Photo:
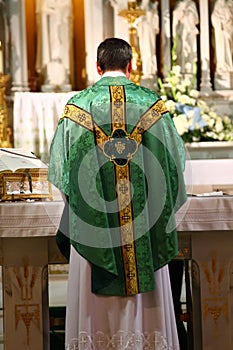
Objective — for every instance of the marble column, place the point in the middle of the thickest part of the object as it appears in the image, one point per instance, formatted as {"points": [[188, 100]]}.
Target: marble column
{"points": [[166, 35], [108, 16], [19, 70], [205, 47], [121, 29], [93, 36]]}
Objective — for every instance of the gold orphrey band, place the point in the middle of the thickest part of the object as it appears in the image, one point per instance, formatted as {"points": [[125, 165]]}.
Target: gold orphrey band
{"points": [[123, 187]]}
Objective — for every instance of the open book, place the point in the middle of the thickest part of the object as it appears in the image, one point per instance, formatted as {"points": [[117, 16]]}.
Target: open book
{"points": [[14, 159], [22, 176]]}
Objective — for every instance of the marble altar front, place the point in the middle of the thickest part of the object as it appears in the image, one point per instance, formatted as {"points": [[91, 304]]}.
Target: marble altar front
{"points": [[27, 246], [205, 228]]}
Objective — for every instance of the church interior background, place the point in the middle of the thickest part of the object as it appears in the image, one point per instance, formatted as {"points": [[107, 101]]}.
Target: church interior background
{"points": [[51, 47], [48, 52]]}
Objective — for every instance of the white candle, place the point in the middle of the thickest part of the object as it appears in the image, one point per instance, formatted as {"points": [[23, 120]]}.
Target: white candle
{"points": [[1, 58]]}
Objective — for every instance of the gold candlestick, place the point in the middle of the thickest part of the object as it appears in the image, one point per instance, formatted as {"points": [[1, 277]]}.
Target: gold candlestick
{"points": [[131, 15], [5, 131]]}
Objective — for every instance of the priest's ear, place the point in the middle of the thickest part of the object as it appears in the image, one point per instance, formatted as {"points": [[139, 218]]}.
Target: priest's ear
{"points": [[99, 70], [128, 69]]}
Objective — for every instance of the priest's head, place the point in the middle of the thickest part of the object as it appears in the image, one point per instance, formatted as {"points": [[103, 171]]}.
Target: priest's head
{"points": [[114, 54]]}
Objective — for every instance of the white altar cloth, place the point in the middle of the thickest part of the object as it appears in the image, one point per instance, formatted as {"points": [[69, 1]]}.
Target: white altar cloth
{"points": [[206, 214], [32, 219]]}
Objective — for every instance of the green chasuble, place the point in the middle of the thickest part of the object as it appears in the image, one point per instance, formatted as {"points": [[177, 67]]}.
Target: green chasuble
{"points": [[117, 157]]}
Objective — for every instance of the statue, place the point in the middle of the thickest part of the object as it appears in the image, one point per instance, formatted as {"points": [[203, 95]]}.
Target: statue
{"points": [[148, 28], [54, 43], [167, 39], [222, 21], [184, 31], [119, 4]]}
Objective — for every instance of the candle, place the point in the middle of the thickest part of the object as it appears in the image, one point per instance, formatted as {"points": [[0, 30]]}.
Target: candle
{"points": [[1, 58]]}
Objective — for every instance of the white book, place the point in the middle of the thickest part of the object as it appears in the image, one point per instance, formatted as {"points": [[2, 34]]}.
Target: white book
{"points": [[16, 159]]}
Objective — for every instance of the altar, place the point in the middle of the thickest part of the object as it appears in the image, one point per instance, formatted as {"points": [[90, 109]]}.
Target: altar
{"points": [[27, 246], [205, 229]]}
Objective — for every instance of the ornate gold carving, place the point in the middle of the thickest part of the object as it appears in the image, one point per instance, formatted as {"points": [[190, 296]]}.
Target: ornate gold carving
{"points": [[14, 186], [214, 275], [131, 15], [184, 252], [5, 131], [27, 311], [216, 304]]}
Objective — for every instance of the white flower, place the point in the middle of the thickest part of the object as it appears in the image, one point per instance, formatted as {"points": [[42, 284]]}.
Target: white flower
{"points": [[190, 114], [210, 121], [185, 99], [221, 136], [186, 82], [173, 80], [218, 125], [212, 135], [176, 69], [194, 93], [227, 120], [181, 87], [181, 123], [171, 105], [163, 97], [203, 105], [214, 115]]}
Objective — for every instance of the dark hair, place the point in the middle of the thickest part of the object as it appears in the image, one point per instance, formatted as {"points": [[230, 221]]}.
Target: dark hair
{"points": [[113, 54]]}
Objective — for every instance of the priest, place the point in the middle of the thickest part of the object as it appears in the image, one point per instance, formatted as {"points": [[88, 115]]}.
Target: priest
{"points": [[119, 161]]}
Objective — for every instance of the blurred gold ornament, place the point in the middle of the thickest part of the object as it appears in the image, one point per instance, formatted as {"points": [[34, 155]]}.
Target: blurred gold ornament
{"points": [[5, 131], [131, 15]]}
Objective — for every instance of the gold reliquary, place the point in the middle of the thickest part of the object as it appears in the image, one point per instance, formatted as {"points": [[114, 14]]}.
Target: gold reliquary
{"points": [[23, 176]]}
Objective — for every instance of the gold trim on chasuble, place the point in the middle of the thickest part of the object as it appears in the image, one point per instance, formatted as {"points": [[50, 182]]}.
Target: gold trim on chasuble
{"points": [[78, 115], [124, 199], [120, 148], [149, 118]]}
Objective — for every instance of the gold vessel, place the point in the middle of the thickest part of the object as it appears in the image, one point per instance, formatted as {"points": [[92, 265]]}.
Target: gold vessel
{"points": [[5, 131], [131, 15]]}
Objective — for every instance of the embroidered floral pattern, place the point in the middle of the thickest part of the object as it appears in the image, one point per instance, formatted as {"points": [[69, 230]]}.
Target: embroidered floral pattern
{"points": [[121, 341]]}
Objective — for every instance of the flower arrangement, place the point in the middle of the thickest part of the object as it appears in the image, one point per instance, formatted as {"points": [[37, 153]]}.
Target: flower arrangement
{"points": [[194, 119]]}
